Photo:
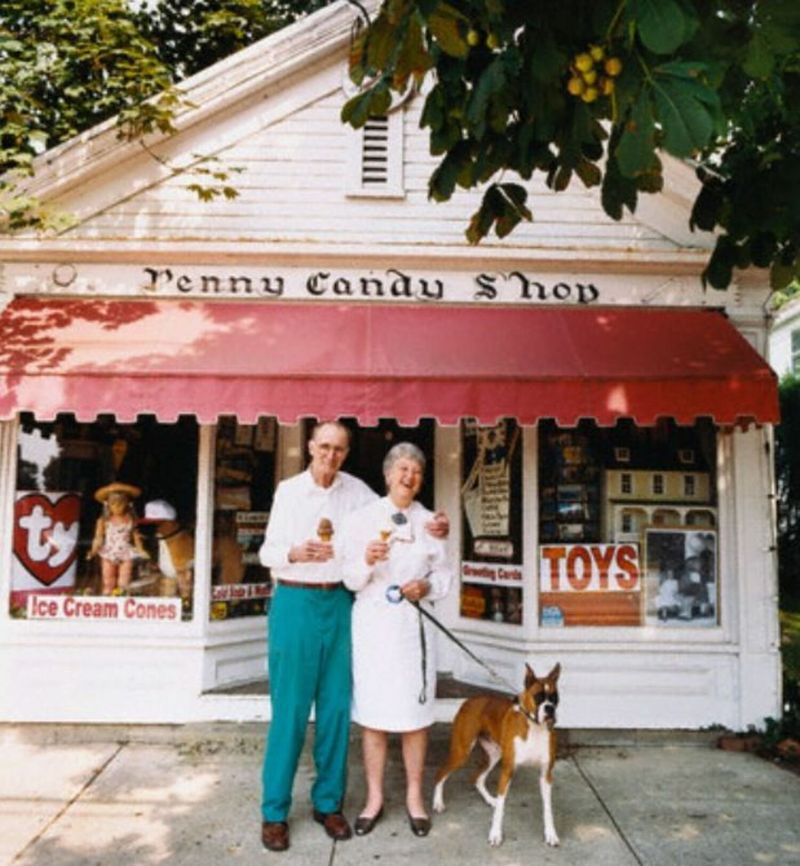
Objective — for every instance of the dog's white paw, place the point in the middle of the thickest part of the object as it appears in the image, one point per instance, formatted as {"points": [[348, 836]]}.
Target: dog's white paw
{"points": [[438, 804], [551, 838], [495, 838]]}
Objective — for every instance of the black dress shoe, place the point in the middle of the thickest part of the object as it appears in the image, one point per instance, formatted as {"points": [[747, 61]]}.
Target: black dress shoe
{"points": [[419, 826], [365, 824], [275, 835], [335, 825]]}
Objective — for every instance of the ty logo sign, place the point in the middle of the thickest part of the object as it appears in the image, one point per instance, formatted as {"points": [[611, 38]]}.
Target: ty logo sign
{"points": [[46, 534]]}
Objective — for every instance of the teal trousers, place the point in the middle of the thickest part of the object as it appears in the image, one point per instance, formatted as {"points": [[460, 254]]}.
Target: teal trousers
{"points": [[309, 664]]}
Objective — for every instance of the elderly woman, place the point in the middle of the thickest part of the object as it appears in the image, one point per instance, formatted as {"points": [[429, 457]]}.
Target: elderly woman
{"points": [[390, 561]]}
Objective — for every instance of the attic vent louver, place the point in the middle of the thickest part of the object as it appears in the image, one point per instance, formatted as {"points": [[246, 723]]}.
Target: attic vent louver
{"points": [[375, 151], [375, 158]]}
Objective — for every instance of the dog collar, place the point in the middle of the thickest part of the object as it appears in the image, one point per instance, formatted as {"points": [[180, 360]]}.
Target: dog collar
{"points": [[170, 535], [524, 712]]}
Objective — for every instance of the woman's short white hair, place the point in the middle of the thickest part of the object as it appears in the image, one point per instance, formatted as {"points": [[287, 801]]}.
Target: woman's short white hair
{"points": [[401, 450]]}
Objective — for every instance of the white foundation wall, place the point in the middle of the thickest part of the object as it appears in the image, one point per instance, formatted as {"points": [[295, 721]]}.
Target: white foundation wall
{"points": [[98, 680]]}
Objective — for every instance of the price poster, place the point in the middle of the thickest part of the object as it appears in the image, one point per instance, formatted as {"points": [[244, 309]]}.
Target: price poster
{"points": [[491, 503]]}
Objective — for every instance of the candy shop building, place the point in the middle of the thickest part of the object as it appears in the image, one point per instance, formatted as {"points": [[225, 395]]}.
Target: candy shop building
{"points": [[598, 426]]}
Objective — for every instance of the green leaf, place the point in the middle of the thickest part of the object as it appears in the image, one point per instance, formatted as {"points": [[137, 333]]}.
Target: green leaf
{"points": [[412, 57], [706, 208], [589, 173], [356, 110], [547, 61], [371, 103], [663, 25], [759, 60], [636, 149], [443, 180], [780, 23], [490, 85], [512, 208], [617, 191], [652, 180], [483, 218], [381, 39], [719, 270], [685, 119], [763, 248], [780, 275], [446, 25]]}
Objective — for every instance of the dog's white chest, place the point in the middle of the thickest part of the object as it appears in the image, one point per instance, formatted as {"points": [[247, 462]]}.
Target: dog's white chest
{"points": [[165, 564], [534, 749]]}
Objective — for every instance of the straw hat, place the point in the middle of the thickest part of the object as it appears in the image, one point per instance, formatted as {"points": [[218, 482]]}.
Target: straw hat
{"points": [[102, 493]]}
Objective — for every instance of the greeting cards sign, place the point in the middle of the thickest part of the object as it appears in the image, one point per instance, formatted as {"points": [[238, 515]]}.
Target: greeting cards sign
{"points": [[590, 584], [45, 542]]}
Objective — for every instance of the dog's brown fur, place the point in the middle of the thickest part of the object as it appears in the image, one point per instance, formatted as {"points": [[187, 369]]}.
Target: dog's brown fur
{"points": [[179, 547]]}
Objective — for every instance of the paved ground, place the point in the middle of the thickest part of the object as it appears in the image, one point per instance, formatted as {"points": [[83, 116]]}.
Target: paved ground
{"points": [[114, 796]]}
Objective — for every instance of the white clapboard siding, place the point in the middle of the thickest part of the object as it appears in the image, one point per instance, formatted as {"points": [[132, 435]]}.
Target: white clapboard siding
{"points": [[295, 187]]}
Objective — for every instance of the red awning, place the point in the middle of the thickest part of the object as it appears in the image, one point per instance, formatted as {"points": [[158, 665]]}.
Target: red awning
{"points": [[174, 357]]}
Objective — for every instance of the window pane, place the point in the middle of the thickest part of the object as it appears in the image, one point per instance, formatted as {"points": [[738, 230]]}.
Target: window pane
{"points": [[616, 508], [491, 504], [244, 484], [94, 505]]}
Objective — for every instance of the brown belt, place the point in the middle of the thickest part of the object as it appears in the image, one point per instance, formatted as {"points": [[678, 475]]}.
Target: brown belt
{"points": [[304, 584]]}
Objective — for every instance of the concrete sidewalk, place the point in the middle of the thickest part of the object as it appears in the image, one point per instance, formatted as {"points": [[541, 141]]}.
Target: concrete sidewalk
{"points": [[113, 796]]}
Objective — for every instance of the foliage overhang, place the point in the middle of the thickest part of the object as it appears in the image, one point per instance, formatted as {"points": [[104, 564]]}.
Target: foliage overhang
{"points": [[596, 90]]}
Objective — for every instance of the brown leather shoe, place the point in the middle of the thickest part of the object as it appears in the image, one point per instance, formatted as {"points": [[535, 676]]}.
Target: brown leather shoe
{"points": [[275, 835], [335, 825]]}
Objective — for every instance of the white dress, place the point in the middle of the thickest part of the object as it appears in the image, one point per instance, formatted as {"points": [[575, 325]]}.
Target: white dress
{"points": [[390, 692]]}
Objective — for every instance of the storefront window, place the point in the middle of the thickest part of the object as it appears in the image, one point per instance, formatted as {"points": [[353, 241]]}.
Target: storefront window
{"points": [[627, 525], [244, 483], [94, 503], [491, 504]]}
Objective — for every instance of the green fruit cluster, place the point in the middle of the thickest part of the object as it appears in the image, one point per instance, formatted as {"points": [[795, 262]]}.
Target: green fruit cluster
{"points": [[592, 74], [474, 38]]}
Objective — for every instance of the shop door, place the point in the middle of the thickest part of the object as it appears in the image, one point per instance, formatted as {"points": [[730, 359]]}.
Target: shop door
{"points": [[369, 446]]}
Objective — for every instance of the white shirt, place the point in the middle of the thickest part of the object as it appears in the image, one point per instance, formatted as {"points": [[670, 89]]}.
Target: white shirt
{"points": [[414, 553], [299, 505], [387, 650]]}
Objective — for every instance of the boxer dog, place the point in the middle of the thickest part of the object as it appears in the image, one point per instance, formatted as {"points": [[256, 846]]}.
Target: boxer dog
{"points": [[514, 732], [175, 545]]}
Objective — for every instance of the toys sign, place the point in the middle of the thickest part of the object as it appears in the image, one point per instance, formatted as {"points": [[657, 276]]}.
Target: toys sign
{"points": [[45, 540], [590, 584], [589, 568]]}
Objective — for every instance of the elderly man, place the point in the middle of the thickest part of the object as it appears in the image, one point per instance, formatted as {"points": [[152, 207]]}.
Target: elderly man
{"points": [[309, 635]]}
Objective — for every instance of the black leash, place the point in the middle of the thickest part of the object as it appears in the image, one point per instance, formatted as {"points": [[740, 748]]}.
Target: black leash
{"points": [[468, 651], [394, 596], [461, 645]]}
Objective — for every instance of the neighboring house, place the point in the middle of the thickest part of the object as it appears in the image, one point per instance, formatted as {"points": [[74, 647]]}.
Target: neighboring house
{"points": [[181, 348], [784, 339]]}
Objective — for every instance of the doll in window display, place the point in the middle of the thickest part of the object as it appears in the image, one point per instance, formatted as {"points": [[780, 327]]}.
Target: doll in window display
{"points": [[116, 539]]}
